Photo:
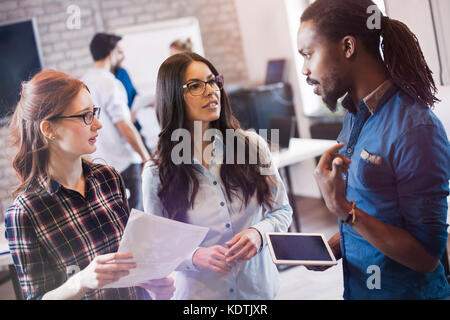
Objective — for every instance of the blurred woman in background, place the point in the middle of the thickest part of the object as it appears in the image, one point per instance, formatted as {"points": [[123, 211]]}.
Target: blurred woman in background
{"points": [[179, 46]]}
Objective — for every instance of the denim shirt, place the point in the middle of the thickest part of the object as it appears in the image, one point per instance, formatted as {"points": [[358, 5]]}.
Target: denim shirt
{"points": [[256, 278], [399, 174]]}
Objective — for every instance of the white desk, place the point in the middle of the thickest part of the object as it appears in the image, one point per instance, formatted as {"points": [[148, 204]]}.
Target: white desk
{"points": [[298, 151]]}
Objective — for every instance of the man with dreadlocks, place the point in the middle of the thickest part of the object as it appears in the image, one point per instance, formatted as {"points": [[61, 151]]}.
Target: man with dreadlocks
{"points": [[387, 179]]}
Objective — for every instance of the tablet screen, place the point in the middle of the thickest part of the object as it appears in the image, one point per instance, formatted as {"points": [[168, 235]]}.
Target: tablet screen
{"points": [[299, 247]]}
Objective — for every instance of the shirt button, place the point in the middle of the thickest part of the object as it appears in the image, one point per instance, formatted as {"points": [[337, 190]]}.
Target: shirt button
{"points": [[349, 150], [231, 290], [215, 183], [227, 225], [222, 204]]}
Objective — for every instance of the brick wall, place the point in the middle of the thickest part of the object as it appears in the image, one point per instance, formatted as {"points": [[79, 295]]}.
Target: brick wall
{"points": [[67, 50], [8, 178]]}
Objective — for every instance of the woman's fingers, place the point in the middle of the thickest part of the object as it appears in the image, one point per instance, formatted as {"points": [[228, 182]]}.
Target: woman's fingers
{"points": [[113, 256], [251, 253], [219, 255], [217, 264], [236, 247], [233, 240], [243, 251], [114, 267], [107, 277], [222, 265]]}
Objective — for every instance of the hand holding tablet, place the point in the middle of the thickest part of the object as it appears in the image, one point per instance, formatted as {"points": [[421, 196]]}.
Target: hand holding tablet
{"points": [[308, 249]]}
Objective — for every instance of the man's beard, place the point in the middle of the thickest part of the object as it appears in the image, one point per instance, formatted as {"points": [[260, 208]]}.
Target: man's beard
{"points": [[330, 97]]}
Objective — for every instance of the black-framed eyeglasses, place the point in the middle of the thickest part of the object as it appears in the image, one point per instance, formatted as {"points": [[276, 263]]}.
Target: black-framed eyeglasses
{"points": [[198, 87], [88, 117]]}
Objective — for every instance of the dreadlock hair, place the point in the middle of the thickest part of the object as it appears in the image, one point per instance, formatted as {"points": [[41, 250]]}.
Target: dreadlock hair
{"points": [[402, 55]]}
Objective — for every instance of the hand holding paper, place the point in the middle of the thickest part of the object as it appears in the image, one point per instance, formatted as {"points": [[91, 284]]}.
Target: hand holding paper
{"points": [[158, 246]]}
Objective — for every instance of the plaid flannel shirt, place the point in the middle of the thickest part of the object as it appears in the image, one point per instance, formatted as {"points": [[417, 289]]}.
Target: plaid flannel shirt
{"points": [[54, 231]]}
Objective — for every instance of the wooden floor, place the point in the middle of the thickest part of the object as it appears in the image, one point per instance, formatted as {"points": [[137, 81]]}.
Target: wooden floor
{"points": [[297, 283]]}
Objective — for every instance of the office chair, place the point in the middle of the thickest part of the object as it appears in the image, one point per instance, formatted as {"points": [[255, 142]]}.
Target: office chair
{"points": [[15, 281]]}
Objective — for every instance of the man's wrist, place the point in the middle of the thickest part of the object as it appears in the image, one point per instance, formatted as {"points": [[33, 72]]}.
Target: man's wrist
{"points": [[344, 208]]}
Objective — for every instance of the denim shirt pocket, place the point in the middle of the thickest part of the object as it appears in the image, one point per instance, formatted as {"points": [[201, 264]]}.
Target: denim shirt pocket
{"points": [[373, 171]]}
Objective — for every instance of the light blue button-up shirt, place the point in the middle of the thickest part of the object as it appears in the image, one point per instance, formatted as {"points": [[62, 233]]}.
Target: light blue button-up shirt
{"points": [[256, 278]]}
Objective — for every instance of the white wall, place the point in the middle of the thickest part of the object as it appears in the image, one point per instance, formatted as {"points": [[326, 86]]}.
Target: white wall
{"points": [[266, 34], [417, 16], [269, 31], [442, 109], [441, 9]]}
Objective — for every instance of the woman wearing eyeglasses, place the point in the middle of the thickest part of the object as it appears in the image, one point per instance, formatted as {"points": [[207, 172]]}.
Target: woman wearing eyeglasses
{"points": [[201, 182], [69, 214]]}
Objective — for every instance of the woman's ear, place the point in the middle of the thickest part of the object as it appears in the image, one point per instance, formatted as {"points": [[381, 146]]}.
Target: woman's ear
{"points": [[349, 46], [48, 130]]}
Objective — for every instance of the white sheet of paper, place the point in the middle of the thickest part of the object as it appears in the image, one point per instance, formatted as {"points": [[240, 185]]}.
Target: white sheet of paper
{"points": [[158, 245]]}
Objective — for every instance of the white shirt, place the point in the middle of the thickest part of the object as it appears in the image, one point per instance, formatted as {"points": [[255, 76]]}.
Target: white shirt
{"points": [[108, 93], [256, 278]]}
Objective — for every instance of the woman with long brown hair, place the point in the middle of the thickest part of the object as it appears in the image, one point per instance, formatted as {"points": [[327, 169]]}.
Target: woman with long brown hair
{"points": [[68, 214], [213, 182]]}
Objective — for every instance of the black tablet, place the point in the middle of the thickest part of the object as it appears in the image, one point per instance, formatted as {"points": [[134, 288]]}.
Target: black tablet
{"points": [[300, 249]]}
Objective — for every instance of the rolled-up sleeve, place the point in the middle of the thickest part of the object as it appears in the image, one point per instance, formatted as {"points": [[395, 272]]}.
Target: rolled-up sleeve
{"points": [[31, 262], [422, 165], [279, 218], [117, 108]]}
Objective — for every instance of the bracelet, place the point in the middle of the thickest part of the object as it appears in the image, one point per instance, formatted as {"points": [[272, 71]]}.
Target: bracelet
{"points": [[351, 215]]}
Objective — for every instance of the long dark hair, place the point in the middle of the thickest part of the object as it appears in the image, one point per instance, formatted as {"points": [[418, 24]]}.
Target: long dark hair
{"points": [[402, 55], [46, 95], [179, 183]]}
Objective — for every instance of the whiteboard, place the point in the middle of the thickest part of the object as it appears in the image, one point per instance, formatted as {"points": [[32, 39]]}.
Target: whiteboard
{"points": [[147, 46]]}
